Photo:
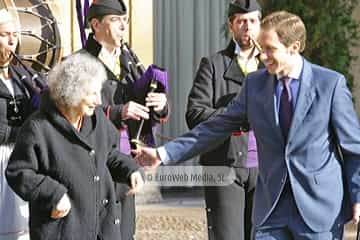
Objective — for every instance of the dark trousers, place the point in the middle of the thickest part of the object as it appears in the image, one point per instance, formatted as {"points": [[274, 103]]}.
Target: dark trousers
{"points": [[128, 216], [127, 225], [229, 207]]}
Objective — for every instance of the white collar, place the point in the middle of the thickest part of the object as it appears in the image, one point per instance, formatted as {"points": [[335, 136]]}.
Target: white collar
{"points": [[115, 54]]}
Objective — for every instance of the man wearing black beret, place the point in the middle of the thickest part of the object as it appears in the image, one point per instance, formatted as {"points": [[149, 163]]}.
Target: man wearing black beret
{"points": [[219, 78], [109, 21]]}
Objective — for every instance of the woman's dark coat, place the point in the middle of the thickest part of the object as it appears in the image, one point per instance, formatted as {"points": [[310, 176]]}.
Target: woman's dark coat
{"points": [[51, 158], [14, 109]]}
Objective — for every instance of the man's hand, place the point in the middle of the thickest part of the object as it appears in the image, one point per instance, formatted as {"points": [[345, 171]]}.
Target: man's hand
{"points": [[137, 183], [356, 213], [62, 209], [147, 157], [133, 110], [156, 100]]}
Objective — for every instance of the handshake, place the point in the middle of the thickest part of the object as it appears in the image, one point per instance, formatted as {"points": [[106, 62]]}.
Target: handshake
{"points": [[147, 157]]}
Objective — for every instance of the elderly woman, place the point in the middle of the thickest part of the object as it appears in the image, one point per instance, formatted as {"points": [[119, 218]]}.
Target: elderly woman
{"points": [[66, 157], [15, 107]]}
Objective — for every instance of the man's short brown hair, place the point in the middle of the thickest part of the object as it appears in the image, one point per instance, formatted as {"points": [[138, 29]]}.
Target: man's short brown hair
{"points": [[288, 26]]}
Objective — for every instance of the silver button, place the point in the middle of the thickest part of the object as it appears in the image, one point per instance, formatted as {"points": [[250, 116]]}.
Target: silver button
{"points": [[208, 209], [105, 201], [210, 227], [117, 221], [92, 153], [240, 154], [96, 178]]}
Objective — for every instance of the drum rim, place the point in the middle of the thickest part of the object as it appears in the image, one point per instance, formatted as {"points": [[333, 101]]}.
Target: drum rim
{"points": [[57, 52]]}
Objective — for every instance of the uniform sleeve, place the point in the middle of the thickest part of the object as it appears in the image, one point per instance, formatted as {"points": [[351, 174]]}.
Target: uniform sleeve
{"points": [[113, 113], [200, 101], [111, 110], [25, 171]]}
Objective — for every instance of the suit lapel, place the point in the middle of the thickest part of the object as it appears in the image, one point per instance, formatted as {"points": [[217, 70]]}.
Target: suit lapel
{"points": [[233, 72], [232, 69], [306, 95]]}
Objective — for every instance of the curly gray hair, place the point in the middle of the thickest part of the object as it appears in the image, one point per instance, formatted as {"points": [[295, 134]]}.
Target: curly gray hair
{"points": [[70, 80]]}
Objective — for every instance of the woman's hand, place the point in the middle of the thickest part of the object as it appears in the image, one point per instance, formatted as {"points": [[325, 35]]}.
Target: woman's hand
{"points": [[137, 182], [62, 209]]}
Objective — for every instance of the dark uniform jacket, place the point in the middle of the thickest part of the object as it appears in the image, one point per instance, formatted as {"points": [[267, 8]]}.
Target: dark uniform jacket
{"points": [[117, 92], [14, 109], [218, 80], [51, 158]]}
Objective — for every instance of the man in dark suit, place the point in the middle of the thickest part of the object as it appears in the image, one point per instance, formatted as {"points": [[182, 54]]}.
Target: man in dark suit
{"points": [[217, 81], [109, 22], [307, 133]]}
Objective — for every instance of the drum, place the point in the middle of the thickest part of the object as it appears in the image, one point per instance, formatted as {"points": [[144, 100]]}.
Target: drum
{"points": [[40, 44]]}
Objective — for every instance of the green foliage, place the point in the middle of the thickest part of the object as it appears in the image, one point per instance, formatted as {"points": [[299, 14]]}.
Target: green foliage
{"points": [[331, 30]]}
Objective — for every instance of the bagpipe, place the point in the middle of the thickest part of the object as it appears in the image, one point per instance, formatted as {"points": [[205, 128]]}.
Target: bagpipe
{"points": [[153, 79]]}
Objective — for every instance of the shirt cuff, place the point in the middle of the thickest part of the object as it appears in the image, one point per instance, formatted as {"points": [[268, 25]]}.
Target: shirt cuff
{"points": [[163, 155]]}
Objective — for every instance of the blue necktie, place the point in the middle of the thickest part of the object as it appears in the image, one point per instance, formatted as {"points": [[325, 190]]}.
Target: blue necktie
{"points": [[285, 111]]}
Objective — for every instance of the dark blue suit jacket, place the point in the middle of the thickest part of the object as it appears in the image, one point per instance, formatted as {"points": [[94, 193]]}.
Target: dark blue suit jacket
{"points": [[324, 127]]}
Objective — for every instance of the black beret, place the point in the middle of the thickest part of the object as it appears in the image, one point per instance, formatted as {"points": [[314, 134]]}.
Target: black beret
{"points": [[105, 7], [243, 6]]}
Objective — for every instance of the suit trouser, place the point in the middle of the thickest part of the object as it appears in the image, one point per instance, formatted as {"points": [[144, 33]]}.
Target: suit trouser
{"points": [[286, 223], [229, 207]]}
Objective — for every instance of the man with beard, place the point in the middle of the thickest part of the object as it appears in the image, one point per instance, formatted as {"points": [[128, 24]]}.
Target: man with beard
{"points": [[218, 80]]}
